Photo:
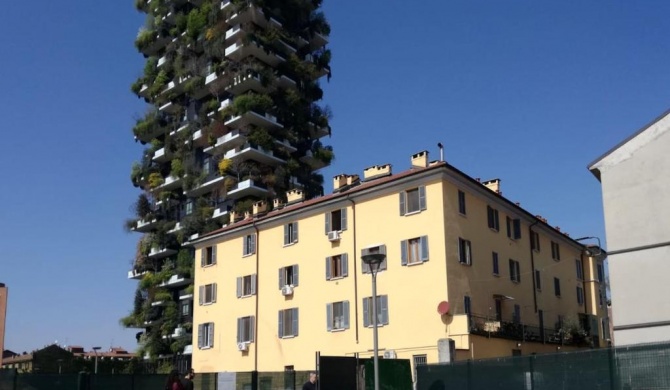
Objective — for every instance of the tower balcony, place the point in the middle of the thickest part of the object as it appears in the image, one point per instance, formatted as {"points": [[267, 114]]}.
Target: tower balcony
{"points": [[144, 91], [160, 253], [243, 83], [248, 152], [212, 181], [284, 144], [216, 81], [247, 188], [317, 132], [161, 61], [170, 183], [250, 13], [162, 155], [229, 141], [145, 225], [150, 42], [176, 281], [286, 82], [312, 161], [240, 50], [254, 118], [136, 275], [220, 212], [317, 41], [170, 107]]}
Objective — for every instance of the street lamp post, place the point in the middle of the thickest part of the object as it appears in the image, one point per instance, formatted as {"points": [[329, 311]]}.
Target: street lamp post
{"points": [[373, 261], [95, 350]]}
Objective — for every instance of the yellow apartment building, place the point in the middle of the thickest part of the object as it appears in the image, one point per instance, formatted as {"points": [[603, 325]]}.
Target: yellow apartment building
{"points": [[468, 274]]}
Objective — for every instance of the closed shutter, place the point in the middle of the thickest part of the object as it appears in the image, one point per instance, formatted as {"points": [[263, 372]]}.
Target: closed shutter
{"points": [[295, 232], [329, 272], [280, 322], [245, 247], [295, 321], [211, 335], [384, 310], [366, 311], [517, 229], [343, 215], [254, 282], [403, 252], [403, 200], [286, 235], [240, 282], [422, 197], [252, 328], [329, 317], [239, 330], [327, 223], [511, 270], [213, 292], [424, 248], [345, 264], [253, 243], [282, 282], [213, 254], [295, 275], [201, 335], [345, 310], [203, 251], [201, 295]]}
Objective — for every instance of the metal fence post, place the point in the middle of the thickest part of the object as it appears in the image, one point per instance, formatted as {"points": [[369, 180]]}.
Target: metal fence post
{"points": [[254, 380], [469, 365], [532, 371], [83, 381], [15, 380], [612, 368]]}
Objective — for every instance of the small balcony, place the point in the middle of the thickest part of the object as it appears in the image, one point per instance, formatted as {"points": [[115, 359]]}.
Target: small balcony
{"points": [[136, 275], [162, 155], [170, 108], [247, 82], [217, 81], [247, 188], [177, 333], [235, 33], [284, 144], [318, 41], [248, 152], [312, 161], [170, 183], [286, 82], [492, 327], [220, 212], [318, 131], [160, 253], [176, 281], [152, 42], [249, 14], [254, 118], [227, 142], [144, 91], [161, 61], [212, 181], [145, 225], [159, 304], [239, 51], [182, 127], [185, 295]]}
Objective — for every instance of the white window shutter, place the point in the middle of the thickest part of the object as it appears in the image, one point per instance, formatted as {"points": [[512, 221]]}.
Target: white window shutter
{"points": [[254, 281], [384, 310], [211, 334], [203, 252], [201, 335], [295, 275], [201, 295], [327, 223], [343, 214], [403, 209], [286, 235], [240, 282], [213, 254], [253, 243], [328, 268], [422, 197], [403, 252], [252, 328], [280, 326], [282, 282], [213, 292], [345, 310], [295, 321], [295, 232], [345, 264], [240, 332], [244, 245], [329, 317]]}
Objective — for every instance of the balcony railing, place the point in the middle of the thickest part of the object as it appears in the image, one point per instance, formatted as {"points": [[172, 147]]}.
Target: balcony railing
{"points": [[491, 327]]}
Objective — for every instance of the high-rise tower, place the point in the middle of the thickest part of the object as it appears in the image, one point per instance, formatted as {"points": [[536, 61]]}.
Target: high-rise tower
{"points": [[232, 87]]}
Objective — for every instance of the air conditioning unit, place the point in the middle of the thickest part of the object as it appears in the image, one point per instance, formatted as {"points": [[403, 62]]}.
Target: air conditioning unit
{"points": [[287, 290], [243, 346], [389, 354], [334, 236]]}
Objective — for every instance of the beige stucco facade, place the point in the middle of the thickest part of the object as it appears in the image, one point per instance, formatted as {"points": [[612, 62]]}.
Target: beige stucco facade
{"points": [[417, 215]]}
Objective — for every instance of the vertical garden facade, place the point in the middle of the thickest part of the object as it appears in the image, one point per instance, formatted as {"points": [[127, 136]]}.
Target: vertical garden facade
{"points": [[233, 119]]}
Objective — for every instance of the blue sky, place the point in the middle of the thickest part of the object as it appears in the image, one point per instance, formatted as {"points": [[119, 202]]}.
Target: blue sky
{"points": [[526, 91]]}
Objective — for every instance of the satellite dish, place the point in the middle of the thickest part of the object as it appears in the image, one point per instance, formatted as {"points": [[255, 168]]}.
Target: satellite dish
{"points": [[443, 307]]}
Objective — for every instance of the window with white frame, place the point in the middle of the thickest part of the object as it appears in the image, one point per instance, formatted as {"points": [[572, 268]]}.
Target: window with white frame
{"points": [[579, 269], [514, 271], [206, 335], [535, 240], [382, 311], [513, 228], [336, 220], [291, 233], [208, 256], [337, 316], [207, 294], [555, 251], [249, 244], [414, 250], [461, 202], [493, 218], [288, 323], [496, 266], [288, 276], [464, 251], [413, 200], [246, 286], [337, 266], [245, 329]]}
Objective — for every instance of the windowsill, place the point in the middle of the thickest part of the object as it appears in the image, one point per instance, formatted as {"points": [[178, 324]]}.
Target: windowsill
{"points": [[412, 213], [290, 244], [464, 215], [288, 337], [205, 348], [516, 281], [208, 265], [378, 326], [208, 303], [556, 260], [338, 330], [337, 278], [494, 229], [248, 254], [496, 275], [415, 263], [465, 264], [246, 296], [558, 296]]}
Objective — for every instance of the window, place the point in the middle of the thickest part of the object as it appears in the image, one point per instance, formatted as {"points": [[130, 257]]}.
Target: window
{"points": [[419, 360], [337, 266], [579, 269], [208, 256], [494, 222], [207, 294], [288, 323], [535, 240], [186, 308], [555, 251], [516, 316], [188, 208], [461, 204], [288, 276], [498, 309], [467, 305], [601, 273], [378, 249], [291, 233], [245, 329], [464, 251], [336, 221], [514, 271], [249, 244], [538, 280], [206, 335], [580, 296], [337, 316], [513, 228], [557, 287], [413, 201], [414, 250], [246, 286], [496, 267], [601, 299], [382, 311]]}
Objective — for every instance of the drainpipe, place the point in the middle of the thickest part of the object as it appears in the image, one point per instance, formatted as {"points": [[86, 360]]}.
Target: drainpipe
{"points": [[355, 270], [581, 255], [258, 246], [532, 262]]}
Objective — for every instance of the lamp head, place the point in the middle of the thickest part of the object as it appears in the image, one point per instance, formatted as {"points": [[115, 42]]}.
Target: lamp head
{"points": [[373, 260]]}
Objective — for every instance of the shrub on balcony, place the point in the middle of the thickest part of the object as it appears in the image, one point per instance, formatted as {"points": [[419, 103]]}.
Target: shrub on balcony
{"points": [[261, 137], [137, 86], [193, 84], [259, 103], [142, 206], [224, 166], [170, 318], [163, 296], [136, 173], [324, 154], [144, 39], [185, 263], [177, 168], [155, 180], [197, 20], [159, 83], [149, 280]]}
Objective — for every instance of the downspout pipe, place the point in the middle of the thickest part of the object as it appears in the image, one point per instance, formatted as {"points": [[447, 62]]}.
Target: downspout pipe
{"points": [[258, 246], [532, 262], [355, 270]]}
